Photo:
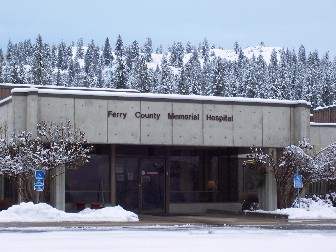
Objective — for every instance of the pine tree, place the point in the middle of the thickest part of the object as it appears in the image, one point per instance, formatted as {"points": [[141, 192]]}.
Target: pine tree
{"points": [[131, 54], [166, 85], [155, 80], [250, 81], [217, 78], [71, 74], [41, 74], [148, 50], [261, 77], [14, 75], [327, 86], [176, 54], [119, 75], [236, 47], [189, 47], [10, 55], [285, 87], [273, 77], [54, 56], [159, 50], [301, 75], [28, 52], [62, 56], [1, 64], [193, 74], [143, 78], [119, 48], [241, 69], [205, 50], [182, 87], [91, 58], [313, 79], [107, 53], [80, 50]]}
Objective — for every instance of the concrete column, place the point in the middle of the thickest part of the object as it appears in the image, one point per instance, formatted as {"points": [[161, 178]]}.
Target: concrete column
{"points": [[113, 175], [57, 188], [300, 124], [32, 112], [268, 193], [2, 188]]}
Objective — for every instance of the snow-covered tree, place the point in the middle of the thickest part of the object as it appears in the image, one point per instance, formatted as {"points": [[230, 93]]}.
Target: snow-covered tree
{"points": [[313, 166], [80, 50], [41, 68], [107, 53], [148, 50], [54, 145], [176, 54]]}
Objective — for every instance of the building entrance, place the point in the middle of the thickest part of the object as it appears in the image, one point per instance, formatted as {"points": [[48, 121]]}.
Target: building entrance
{"points": [[140, 184]]}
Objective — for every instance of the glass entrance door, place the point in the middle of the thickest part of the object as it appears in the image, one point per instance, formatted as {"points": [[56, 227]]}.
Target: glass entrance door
{"points": [[152, 185], [140, 184]]}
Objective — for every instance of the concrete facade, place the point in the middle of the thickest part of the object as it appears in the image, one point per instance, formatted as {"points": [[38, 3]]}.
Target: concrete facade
{"points": [[167, 120], [146, 119]]}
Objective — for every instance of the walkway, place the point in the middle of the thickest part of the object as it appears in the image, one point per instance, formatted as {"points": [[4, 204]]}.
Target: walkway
{"points": [[208, 219]]}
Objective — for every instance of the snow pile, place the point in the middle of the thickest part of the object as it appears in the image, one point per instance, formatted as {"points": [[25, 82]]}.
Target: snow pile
{"points": [[310, 208], [42, 212]]}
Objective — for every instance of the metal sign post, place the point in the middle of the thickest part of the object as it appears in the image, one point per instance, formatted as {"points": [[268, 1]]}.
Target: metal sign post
{"points": [[298, 184], [38, 183]]}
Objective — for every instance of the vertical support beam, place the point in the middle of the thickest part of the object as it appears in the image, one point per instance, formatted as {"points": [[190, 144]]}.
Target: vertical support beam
{"points": [[268, 193], [300, 124], [57, 188], [32, 112], [113, 180], [167, 179], [2, 187]]}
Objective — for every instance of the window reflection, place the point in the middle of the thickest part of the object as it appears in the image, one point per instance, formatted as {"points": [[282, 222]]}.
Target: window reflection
{"points": [[203, 175], [89, 185]]}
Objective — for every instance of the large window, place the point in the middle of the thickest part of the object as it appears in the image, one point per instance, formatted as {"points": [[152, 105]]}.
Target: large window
{"points": [[90, 184], [203, 175]]}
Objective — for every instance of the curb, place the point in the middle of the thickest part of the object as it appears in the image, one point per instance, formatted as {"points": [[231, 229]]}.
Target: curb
{"points": [[250, 214]]}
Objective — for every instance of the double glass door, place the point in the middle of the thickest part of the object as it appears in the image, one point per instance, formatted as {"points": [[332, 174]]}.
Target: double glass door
{"points": [[140, 184]]}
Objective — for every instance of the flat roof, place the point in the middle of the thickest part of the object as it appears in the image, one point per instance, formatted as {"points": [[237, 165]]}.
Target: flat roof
{"points": [[130, 94]]}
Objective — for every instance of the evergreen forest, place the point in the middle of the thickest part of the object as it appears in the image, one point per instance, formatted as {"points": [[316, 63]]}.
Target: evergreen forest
{"points": [[182, 69]]}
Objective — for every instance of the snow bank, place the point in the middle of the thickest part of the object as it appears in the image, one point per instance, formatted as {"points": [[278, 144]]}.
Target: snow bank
{"points": [[310, 208], [42, 212]]}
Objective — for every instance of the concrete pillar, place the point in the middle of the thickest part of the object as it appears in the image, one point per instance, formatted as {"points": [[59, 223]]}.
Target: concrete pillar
{"points": [[2, 187], [300, 123], [32, 112], [268, 192], [113, 175], [57, 188]]}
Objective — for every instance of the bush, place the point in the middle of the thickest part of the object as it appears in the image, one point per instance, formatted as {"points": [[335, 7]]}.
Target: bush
{"points": [[250, 202]]}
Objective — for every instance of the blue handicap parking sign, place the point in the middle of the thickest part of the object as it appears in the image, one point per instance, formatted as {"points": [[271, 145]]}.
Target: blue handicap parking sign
{"points": [[39, 174], [298, 181], [39, 180], [38, 188]]}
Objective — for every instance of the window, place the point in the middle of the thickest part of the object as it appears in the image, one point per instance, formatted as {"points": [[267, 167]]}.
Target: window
{"points": [[89, 184]]}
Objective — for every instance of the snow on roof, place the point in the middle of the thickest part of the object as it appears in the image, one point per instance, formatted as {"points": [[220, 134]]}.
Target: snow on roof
{"points": [[322, 124], [326, 107], [125, 93]]}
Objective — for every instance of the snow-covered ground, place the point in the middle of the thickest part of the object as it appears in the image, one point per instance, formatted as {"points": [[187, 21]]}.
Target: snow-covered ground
{"points": [[156, 238], [189, 239], [42, 212], [30, 212]]}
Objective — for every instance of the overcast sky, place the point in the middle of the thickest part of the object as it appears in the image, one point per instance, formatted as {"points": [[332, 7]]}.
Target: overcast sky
{"points": [[284, 23]]}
